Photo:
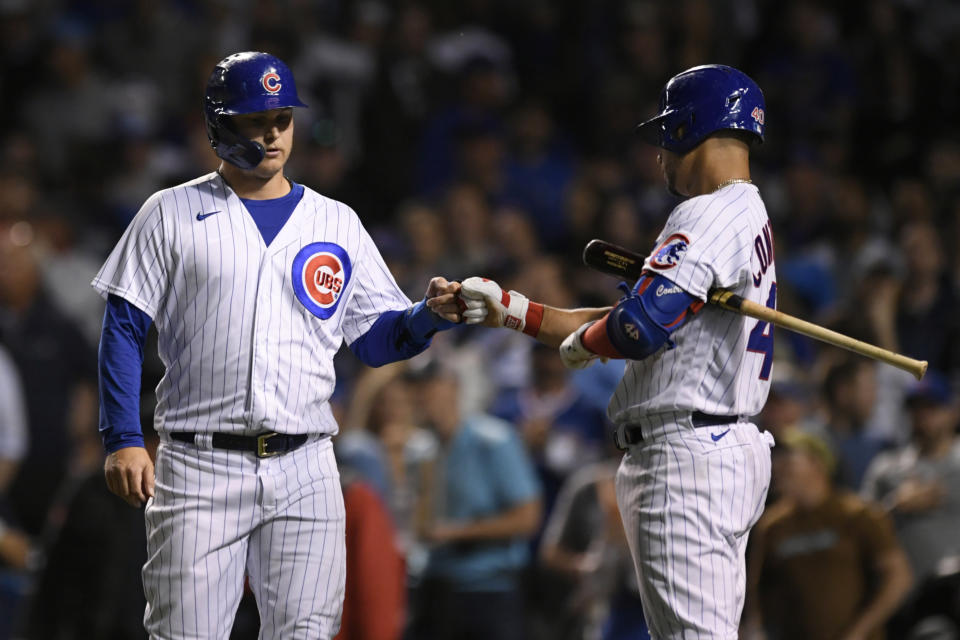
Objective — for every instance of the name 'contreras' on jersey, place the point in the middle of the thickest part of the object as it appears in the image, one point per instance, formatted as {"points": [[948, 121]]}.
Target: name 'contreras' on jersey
{"points": [[247, 332], [722, 361]]}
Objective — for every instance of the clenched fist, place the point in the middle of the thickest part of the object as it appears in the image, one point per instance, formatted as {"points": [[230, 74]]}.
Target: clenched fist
{"points": [[129, 474]]}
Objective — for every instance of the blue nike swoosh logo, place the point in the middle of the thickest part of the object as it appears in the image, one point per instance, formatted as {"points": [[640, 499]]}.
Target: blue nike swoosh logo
{"points": [[204, 216], [716, 436]]}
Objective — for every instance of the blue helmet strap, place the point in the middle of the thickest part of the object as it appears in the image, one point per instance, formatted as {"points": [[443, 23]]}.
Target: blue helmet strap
{"points": [[236, 149]]}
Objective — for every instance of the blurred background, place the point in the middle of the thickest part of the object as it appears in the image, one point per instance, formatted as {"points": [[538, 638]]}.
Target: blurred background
{"points": [[486, 137]]}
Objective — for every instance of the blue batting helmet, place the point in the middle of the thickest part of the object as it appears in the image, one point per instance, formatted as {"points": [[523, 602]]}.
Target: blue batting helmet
{"points": [[700, 101], [245, 83]]}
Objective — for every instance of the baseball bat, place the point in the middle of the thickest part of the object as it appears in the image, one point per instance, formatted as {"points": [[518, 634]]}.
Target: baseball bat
{"points": [[617, 261]]}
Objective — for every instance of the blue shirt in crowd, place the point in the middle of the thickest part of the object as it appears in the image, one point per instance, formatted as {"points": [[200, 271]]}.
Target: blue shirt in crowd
{"points": [[485, 472]]}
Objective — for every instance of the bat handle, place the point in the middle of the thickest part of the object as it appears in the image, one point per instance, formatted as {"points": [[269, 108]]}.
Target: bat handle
{"points": [[726, 299]]}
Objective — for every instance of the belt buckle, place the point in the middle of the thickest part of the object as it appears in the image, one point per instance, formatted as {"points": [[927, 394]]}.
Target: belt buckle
{"points": [[262, 445], [620, 438]]}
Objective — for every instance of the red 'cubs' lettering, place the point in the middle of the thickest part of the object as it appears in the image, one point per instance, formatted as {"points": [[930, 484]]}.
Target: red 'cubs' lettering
{"points": [[323, 278], [326, 280]]}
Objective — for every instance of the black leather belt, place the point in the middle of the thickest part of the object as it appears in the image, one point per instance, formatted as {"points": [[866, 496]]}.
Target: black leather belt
{"points": [[265, 445], [632, 434]]}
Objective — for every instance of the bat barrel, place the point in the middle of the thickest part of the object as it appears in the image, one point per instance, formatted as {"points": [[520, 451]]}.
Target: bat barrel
{"points": [[916, 367]]}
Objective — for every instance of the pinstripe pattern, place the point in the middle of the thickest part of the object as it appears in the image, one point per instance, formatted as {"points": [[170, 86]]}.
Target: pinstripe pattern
{"points": [[688, 504], [244, 355], [218, 514], [687, 501], [710, 369]]}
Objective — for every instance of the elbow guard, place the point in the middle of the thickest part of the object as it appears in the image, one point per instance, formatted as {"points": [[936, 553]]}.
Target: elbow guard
{"points": [[643, 321]]}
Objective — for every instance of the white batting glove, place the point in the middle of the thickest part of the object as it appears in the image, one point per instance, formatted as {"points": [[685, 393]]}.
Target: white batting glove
{"points": [[513, 310], [472, 310], [572, 351]]}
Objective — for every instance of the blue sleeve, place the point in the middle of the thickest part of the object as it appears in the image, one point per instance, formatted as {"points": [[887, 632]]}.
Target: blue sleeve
{"points": [[121, 365], [398, 335]]}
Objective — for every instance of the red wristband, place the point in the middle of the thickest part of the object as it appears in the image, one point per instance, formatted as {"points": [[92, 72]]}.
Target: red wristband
{"points": [[595, 339], [533, 320]]}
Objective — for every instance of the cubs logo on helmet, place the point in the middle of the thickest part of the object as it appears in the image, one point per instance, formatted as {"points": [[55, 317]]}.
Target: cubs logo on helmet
{"points": [[320, 273], [669, 254], [271, 82]]}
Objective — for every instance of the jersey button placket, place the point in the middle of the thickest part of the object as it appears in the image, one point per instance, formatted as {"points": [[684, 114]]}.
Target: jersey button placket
{"points": [[258, 362]]}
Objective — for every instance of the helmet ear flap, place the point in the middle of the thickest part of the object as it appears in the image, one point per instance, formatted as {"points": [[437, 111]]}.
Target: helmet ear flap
{"points": [[683, 128], [676, 133], [233, 147]]}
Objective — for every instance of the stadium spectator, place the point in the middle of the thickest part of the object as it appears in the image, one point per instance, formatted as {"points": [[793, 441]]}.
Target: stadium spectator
{"points": [[374, 604], [15, 546], [486, 506], [850, 393], [13, 448], [920, 484], [589, 571], [561, 429], [538, 170], [927, 314], [94, 535], [58, 370], [789, 407], [822, 563]]}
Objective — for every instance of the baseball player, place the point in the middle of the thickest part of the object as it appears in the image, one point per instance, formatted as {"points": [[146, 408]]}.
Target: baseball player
{"points": [[253, 282], [696, 471]]}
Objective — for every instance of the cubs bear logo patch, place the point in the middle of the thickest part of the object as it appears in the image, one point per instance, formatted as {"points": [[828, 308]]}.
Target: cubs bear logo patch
{"points": [[669, 254], [320, 273]]}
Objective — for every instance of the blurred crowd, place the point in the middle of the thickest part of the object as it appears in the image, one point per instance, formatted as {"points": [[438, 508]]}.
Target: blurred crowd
{"points": [[494, 138]]}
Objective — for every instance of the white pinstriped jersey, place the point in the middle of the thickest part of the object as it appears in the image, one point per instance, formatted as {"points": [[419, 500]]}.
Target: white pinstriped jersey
{"points": [[721, 362], [247, 332]]}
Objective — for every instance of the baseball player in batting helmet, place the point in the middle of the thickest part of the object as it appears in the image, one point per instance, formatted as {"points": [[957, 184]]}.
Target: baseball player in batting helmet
{"points": [[253, 281], [696, 470]]}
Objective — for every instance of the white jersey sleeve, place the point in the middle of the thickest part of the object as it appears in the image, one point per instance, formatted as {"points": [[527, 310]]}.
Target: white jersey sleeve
{"points": [[699, 249], [375, 291], [137, 268]]}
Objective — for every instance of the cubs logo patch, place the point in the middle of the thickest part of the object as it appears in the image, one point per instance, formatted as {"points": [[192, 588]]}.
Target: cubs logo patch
{"points": [[668, 254], [271, 82], [320, 273]]}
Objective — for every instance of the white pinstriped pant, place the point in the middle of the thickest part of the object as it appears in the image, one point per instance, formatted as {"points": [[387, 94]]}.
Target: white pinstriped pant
{"points": [[219, 515], [688, 503]]}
